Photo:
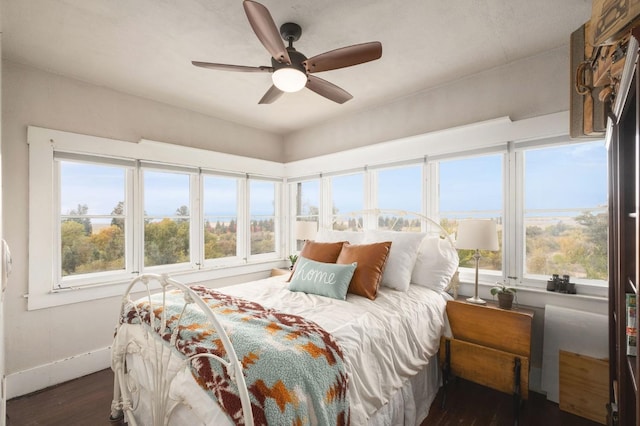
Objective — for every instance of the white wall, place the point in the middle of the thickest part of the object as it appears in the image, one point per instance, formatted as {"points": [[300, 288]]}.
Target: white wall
{"points": [[527, 88], [33, 97]]}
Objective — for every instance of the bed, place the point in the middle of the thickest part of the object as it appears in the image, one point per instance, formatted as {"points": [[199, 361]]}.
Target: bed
{"points": [[357, 358]]}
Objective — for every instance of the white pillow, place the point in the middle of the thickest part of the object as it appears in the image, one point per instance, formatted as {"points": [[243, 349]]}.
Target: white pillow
{"points": [[332, 236], [436, 264], [402, 256]]}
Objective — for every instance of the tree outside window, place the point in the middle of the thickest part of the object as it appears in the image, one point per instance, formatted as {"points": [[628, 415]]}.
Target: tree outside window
{"points": [[166, 218], [92, 227]]}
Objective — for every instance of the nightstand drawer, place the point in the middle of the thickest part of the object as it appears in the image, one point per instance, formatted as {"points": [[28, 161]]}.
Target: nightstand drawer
{"points": [[488, 325]]}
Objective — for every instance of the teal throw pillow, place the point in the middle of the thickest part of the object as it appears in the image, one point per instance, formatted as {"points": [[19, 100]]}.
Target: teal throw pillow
{"points": [[323, 279]]}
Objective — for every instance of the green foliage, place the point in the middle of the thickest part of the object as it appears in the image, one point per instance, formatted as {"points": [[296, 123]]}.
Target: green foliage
{"points": [[82, 253], [502, 288], [84, 221], [574, 246], [166, 242], [263, 236], [579, 250], [220, 240], [118, 210]]}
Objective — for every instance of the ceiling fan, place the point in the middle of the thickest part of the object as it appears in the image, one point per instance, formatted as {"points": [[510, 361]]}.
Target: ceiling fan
{"points": [[291, 69]]}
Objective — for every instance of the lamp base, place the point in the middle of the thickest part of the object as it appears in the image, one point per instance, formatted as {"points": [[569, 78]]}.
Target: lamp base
{"points": [[476, 300]]}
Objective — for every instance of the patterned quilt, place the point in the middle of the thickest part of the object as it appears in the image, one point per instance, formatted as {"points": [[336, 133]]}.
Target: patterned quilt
{"points": [[293, 368]]}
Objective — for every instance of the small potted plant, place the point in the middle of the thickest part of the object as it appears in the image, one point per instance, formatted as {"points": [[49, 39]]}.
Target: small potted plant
{"points": [[292, 259], [505, 295]]}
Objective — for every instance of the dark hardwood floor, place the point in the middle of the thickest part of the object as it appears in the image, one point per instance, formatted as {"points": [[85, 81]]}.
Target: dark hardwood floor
{"points": [[471, 404], [86, 402]]}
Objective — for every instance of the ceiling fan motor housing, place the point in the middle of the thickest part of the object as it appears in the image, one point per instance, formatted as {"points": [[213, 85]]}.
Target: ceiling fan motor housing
{"points": [[297, 60]]}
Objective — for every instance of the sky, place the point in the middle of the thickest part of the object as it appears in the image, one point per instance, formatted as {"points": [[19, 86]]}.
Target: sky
{"points": [[564, 177]]}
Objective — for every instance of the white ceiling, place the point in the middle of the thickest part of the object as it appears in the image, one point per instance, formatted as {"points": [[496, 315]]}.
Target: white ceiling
{"points": [[145, 48]]}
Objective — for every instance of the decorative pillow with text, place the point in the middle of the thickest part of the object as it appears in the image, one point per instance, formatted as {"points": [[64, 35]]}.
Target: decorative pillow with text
{"points": [[323, 279]]}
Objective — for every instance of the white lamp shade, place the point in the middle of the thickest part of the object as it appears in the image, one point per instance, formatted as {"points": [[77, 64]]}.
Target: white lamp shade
{"points": [[306, 230], [477, 234], [289, 79]]}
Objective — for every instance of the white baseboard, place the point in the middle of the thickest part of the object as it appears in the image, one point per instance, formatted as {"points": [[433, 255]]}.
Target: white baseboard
{"points": [[43, 376]]}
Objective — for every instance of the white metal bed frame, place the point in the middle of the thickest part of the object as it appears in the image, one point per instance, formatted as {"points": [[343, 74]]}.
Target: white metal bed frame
{"points": [[162, 404]]}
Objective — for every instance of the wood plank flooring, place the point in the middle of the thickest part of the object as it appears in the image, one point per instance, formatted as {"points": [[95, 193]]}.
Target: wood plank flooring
{"points": [[86, 402]]}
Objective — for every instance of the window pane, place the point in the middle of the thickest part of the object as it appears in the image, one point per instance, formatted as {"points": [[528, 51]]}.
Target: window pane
{"points": [[347, 196], [262, 201], [307, 204], [220, 199], [166, 219], [307, 198], [400, 189], [472, 188], [566, 220], [92, 209]]}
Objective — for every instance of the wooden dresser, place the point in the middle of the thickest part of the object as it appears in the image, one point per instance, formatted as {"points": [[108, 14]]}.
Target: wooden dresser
{"points": [[490, 346]]}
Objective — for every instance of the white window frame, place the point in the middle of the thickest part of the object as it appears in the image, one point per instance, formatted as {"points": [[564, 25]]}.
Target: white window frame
{"points": [[194, 215], [238, 258], [277, 253], [44, 215], [516, 157], [468, 274], [292, 203], [74, 281]]}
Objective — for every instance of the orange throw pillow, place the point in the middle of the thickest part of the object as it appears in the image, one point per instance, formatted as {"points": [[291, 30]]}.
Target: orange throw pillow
{"points": [[371, 259], [320, 252]]}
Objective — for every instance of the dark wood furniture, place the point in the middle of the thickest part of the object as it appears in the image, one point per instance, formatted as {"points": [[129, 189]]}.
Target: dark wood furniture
{"points": [[622, 145], [490, 346]]}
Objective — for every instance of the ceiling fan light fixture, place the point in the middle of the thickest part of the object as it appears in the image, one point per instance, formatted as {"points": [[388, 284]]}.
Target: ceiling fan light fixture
{"points": [[289, 79]]}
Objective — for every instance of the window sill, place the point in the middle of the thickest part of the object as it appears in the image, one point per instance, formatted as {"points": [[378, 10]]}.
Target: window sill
{"points": [[69, 296], [538, 297]]}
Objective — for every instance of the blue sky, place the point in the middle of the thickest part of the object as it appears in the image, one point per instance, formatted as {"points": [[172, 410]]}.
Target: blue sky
{"points": [[570, 176]]}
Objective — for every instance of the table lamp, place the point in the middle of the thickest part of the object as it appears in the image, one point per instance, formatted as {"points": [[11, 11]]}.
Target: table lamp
{"points": [[306, 230], [477, 234]]}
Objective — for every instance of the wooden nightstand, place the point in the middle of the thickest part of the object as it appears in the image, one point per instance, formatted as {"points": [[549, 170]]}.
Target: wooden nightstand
{"points": [[490, 346], [278, 271]]}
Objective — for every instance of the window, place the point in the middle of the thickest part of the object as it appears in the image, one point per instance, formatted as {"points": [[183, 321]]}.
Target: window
{"points": [[117, 209], [262, 205], [472, 188], [167, 218], [93, 222], [220, 198], [565, 211]]}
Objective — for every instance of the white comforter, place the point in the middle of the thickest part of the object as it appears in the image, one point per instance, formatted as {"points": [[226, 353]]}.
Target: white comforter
{"points": [[385, 341]]}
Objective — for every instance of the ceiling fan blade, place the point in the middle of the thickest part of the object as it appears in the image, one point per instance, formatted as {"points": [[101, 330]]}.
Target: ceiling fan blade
{"points": [[328, 90], [271, 96], [227, 67], [266, 30], [345, 57]]}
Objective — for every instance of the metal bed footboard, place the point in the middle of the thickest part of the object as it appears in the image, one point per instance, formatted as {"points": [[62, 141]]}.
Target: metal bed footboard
{"points": [[126, 392]]}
